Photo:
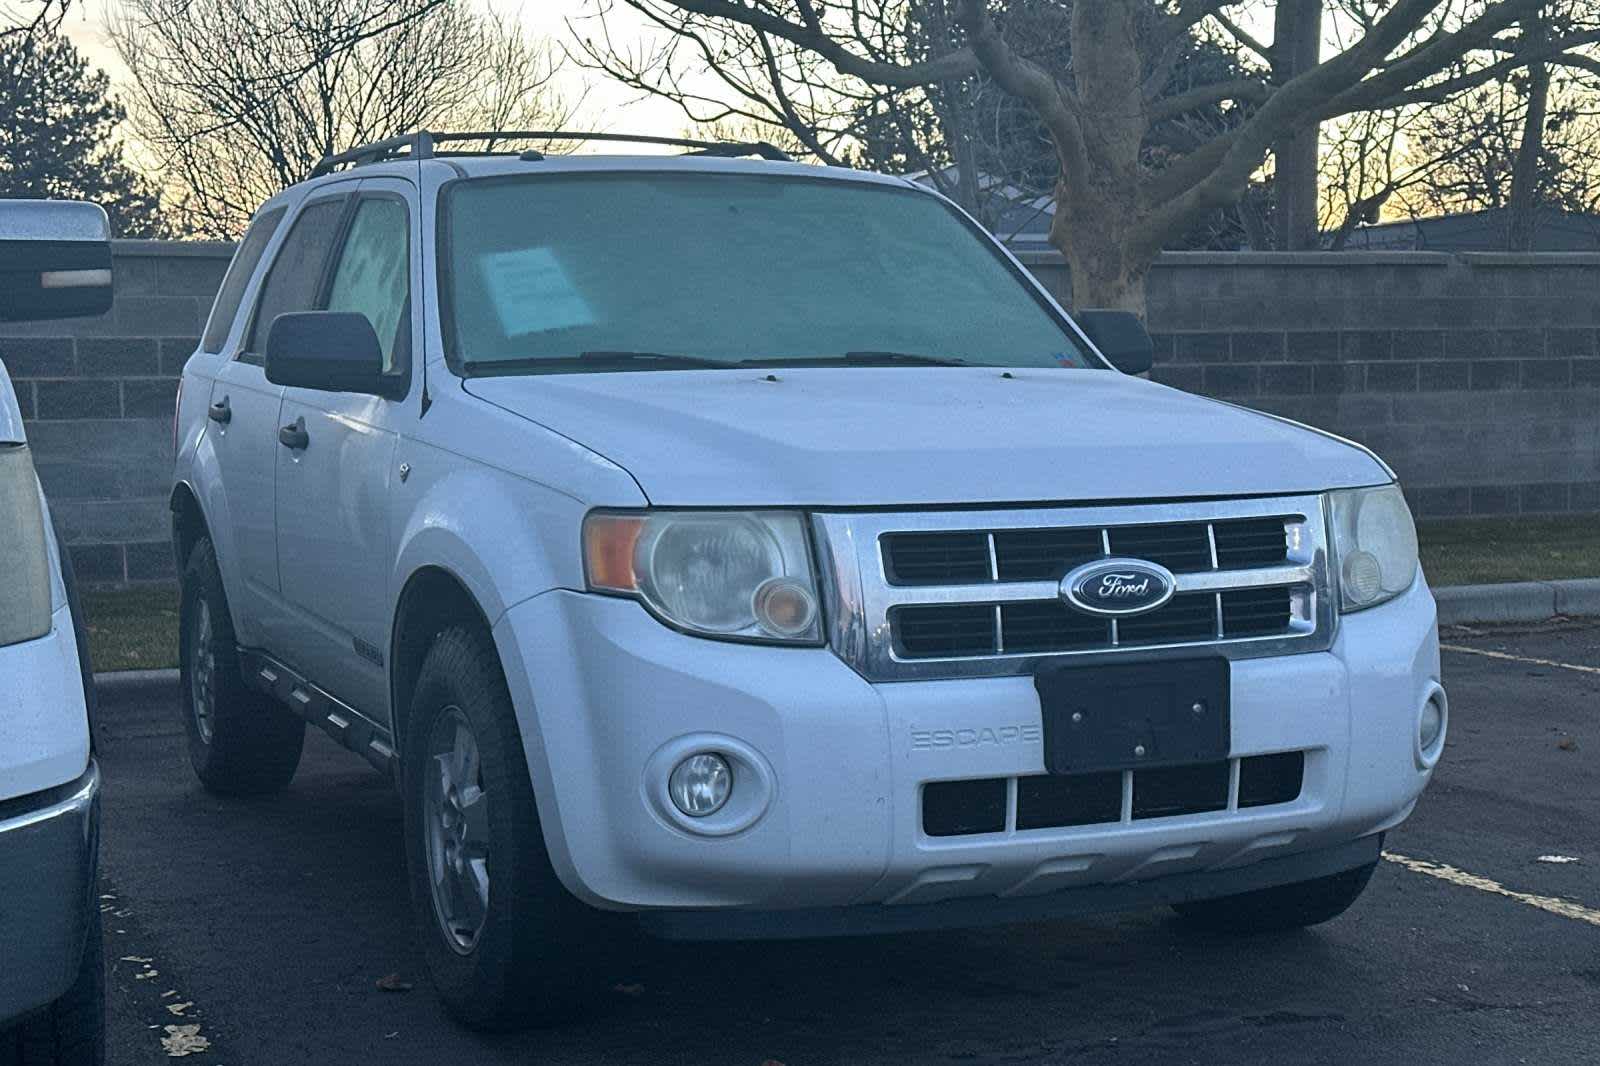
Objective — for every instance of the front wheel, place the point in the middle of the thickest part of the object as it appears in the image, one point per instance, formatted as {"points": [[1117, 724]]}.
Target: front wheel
{"points": [[506, 945], [1275, 910]]}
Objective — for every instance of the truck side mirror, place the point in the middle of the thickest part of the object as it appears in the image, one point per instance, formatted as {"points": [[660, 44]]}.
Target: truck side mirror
{"points": [[1121, 338], [55, 260], [330, 351]]}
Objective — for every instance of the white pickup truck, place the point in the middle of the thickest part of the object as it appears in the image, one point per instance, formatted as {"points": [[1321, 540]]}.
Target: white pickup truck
{"points": [[55, 262], [753, 549]]}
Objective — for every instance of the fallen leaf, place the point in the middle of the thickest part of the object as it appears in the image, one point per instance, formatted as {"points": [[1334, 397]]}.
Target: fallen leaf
{"points": [[629, 990], [770, 1062], [169, 993], [136, 958], [184, 1040], [1559, 859], [394, 983], [146, 975], [178, 1008], [1567, 744]]}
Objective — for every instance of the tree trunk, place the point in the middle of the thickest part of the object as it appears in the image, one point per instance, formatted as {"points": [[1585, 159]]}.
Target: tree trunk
{"points": [[1095, 214], [1297, 46], [1090, 229], [1524, 203]]}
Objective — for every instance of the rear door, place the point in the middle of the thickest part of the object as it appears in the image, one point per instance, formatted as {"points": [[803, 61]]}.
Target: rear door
{"points": [[332, 500], [244, 420]]}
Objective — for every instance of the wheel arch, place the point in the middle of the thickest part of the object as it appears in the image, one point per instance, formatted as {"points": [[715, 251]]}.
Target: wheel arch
{"points": [[433, 599], [189, 523]]}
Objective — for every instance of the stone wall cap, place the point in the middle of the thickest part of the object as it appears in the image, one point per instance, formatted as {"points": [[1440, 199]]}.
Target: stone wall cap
{"points": [[173, 249]]}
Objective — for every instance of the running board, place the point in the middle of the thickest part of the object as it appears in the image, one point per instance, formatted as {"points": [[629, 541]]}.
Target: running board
{"points": [[339, 720]]}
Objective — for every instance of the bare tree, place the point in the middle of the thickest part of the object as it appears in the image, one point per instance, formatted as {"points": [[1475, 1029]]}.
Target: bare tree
{"points": [[238, 100], [26, 18], [1114, 209]]}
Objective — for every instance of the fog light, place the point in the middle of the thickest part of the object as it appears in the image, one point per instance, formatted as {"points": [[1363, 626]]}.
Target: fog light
{"points": [[1430, 725], [700, 784]]}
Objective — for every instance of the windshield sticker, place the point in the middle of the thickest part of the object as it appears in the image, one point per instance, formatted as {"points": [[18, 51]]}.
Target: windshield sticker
{"points": [[532, 292]]}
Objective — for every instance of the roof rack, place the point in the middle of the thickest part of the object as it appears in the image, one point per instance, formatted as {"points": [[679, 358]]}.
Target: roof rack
{"points": [[423, 144]]}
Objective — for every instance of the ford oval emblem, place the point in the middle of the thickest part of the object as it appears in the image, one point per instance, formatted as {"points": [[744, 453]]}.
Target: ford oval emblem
{"points": [[1118, 587]]}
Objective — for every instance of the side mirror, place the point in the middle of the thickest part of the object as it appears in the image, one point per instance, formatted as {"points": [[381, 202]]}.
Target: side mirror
{"points": [[55, 260], [1121, 338], [331, 351]]}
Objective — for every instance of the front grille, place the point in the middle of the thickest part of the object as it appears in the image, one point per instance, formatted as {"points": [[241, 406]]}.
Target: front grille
{"points": [[1059, 801], [962, 557], [923, 594], [1046, 626]]}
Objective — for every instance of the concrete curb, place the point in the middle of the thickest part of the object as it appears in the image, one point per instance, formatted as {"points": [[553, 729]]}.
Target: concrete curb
{"points": [[129, 681], [1517, 601]]}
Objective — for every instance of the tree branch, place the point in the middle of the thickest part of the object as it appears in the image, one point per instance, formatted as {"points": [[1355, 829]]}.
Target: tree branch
{"points": [[955, 64]]}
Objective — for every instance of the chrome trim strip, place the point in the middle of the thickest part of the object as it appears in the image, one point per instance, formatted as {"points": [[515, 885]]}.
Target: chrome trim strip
{"points": [[859, 597]]}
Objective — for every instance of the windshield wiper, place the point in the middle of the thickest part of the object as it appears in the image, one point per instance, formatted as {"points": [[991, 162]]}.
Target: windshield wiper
{"points": [[603, 355], [589, 361], [863, 358]]}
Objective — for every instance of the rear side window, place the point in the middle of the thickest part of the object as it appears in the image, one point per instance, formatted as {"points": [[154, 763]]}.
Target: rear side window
{"points": [[373, 275], [296, 275], [240, 271]]}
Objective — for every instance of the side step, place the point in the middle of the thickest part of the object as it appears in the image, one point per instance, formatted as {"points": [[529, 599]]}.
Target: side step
{"points": [[339, 720]]}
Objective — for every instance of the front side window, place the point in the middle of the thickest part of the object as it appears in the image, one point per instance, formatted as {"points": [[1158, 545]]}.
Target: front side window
{"points": [[296, 273], [373, 275], [240, 271], [657, 271]]}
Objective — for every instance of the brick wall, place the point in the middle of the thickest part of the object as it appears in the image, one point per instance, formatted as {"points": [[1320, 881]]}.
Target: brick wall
{"points": [[98, 396], [1477, 376]]}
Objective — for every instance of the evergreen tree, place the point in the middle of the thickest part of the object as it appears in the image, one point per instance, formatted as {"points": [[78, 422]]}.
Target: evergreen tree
{"points": [[58, 135]]}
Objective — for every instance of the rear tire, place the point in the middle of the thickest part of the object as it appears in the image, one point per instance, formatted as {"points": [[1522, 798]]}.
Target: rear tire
{"points": [[241, 741], [72, 1030], [523, 951], [1275, 910]]}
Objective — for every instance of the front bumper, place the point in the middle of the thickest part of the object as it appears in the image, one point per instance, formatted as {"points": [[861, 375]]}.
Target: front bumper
{"points": [[606, 697], [49, 846]]}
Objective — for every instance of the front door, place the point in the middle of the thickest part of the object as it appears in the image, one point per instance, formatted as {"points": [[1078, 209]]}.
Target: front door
{"points": [[336, 465]]}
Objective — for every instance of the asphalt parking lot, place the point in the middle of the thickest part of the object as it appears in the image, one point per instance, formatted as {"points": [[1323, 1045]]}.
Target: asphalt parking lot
{"points": [[269, 925]]}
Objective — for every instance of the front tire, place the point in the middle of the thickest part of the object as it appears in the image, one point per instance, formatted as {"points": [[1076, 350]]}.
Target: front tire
{"points": [[1276, 910], [72, 1030], [241, 741], [506, 945]]}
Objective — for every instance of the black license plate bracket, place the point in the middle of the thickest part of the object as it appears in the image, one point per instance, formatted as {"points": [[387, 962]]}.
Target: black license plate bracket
{"points": [[1128, 716]]}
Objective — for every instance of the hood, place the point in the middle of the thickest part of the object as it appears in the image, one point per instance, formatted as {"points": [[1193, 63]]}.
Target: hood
{"points": [[891, 436]]}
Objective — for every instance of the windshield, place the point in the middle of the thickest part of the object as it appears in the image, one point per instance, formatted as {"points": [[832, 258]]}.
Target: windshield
{"points": [[666, 271]]}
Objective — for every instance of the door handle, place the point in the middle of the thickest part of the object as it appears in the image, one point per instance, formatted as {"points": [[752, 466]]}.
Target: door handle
{"points": [[294, 435], [221, 411]]}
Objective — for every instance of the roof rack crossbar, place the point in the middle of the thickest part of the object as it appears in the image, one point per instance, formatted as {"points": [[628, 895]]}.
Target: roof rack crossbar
{"points": [[421, 145]]}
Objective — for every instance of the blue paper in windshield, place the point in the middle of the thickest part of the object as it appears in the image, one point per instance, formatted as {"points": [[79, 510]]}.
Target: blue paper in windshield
{"points": [[532, 292]]}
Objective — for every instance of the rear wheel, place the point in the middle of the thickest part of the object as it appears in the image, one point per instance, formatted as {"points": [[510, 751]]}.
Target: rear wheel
{"points": [[506, 945], [241, 741], [1274, 910], [71, 1031]]}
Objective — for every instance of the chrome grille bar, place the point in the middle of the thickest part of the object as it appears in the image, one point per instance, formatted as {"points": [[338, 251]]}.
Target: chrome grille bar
{"points": [[861, 596]]}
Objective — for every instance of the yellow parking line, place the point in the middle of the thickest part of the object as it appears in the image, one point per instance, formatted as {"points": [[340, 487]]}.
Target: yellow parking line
{"points": [[1445, 872], [1519, 658]]}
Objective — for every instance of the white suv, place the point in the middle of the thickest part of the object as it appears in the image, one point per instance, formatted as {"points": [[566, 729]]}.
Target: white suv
{"points": [[55, 262], [755, 549]]}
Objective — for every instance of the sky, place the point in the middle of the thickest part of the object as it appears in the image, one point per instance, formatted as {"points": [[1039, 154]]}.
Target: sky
{"points": [[607, 105]]}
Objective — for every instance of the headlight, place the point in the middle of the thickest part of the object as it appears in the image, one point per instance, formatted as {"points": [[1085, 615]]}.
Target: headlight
{"points": [[738, 575], [24, 558], [1375, 543]]}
